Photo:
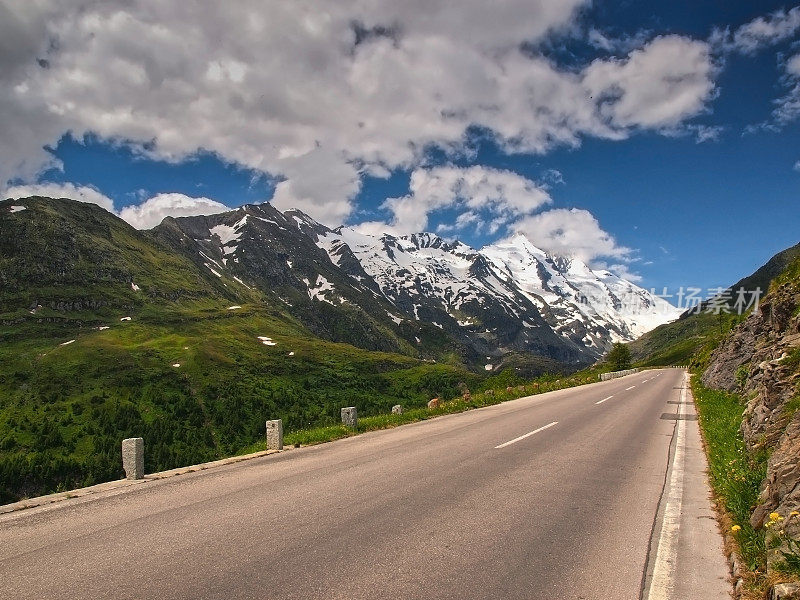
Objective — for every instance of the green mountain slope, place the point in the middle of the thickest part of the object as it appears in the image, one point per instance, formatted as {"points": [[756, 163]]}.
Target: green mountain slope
{"points": [[68, 256], [195, 389], [694, 335]]}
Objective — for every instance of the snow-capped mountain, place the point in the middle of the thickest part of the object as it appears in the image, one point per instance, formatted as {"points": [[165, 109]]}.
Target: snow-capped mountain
{"points": [[422, 290], [579, 296], [593, 308]]}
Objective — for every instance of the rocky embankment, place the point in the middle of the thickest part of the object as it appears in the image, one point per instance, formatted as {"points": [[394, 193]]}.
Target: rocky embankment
{"points": [[760, 360]]}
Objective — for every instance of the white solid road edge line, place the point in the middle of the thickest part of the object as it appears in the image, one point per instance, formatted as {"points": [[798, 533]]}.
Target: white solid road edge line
{"points": [[604, 399], [529, 434], [662, 583]]}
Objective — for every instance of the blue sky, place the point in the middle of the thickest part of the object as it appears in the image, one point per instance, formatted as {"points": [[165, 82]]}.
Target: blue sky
{"points": [[677, 211]]}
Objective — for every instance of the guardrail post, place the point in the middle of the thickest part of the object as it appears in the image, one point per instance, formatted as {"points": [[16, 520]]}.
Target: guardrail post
{"points": [[133, 458], [275, 434], [615, 374], [350, 416], [397, 409]]}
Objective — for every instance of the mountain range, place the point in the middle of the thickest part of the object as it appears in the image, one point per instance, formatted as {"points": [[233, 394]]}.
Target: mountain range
{"points": [[509, 297]]}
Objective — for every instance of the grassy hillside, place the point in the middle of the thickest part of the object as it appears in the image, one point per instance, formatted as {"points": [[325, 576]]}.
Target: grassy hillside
{"points": [[65, 406], [694, 336], [68, 256], [684, 341]]}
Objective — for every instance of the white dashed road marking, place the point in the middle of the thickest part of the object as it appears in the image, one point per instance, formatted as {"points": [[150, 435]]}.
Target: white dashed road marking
{"points": [[522, 437]]}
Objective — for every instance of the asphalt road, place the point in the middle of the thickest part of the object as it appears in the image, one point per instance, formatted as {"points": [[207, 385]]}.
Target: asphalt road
{"points": [[446, 508]]}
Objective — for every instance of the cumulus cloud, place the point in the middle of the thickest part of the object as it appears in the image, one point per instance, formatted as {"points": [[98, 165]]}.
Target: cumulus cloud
{"points": [[317, 96], [462, 221], [760, 32], [146, 215], [657, 86], [571, 232], [152, 211], [498, 194], [61, 190]]}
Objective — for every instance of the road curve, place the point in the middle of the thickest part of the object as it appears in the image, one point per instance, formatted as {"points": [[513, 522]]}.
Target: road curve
{"points": [[548, 497]]}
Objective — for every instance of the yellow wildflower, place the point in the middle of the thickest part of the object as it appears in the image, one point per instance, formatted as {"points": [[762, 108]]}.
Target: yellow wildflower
{"points": [[736, 529]]}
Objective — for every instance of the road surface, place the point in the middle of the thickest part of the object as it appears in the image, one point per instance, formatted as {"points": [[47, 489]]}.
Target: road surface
{"points": [[556, 496]]}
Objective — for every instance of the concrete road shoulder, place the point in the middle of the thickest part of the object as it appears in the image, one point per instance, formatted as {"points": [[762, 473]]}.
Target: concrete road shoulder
{"points": [[686, 558]]}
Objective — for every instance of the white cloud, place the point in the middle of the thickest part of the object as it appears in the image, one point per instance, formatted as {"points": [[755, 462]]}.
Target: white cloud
{"points": [[788, 106], [625, 43], [657, 86], [462, 221], [145, 215], [571, 232], [317, 95], [707, 133], [760, 32], [61, 190], [498, 193], [151, 212], [624, 271], [552, 177], [793, 66], [797, 166], [701, 133], [763, 32], [788, 109]]}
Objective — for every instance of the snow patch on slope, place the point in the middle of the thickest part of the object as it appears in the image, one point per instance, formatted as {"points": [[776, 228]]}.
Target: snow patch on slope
{"points": [[319, 289], [229, 236]]}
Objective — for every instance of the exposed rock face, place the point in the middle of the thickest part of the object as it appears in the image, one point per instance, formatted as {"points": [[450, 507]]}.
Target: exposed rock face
{"points": [[761, 360], [737, 350]]}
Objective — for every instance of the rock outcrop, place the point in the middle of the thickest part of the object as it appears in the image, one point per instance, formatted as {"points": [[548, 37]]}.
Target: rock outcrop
{"points": [[760, 359]]}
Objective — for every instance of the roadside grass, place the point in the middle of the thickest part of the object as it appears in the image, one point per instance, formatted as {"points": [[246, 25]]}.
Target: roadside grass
{"points": [[735, 473], [329, 433]]}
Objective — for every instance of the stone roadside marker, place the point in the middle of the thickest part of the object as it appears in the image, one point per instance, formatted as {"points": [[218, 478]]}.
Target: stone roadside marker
{"points": [[350, 417], [275, 434], [785, 591], [133, 458], [397, 409]]}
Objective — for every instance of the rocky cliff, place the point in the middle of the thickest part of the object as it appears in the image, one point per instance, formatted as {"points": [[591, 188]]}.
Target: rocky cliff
{"points": [[760, 359]]}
